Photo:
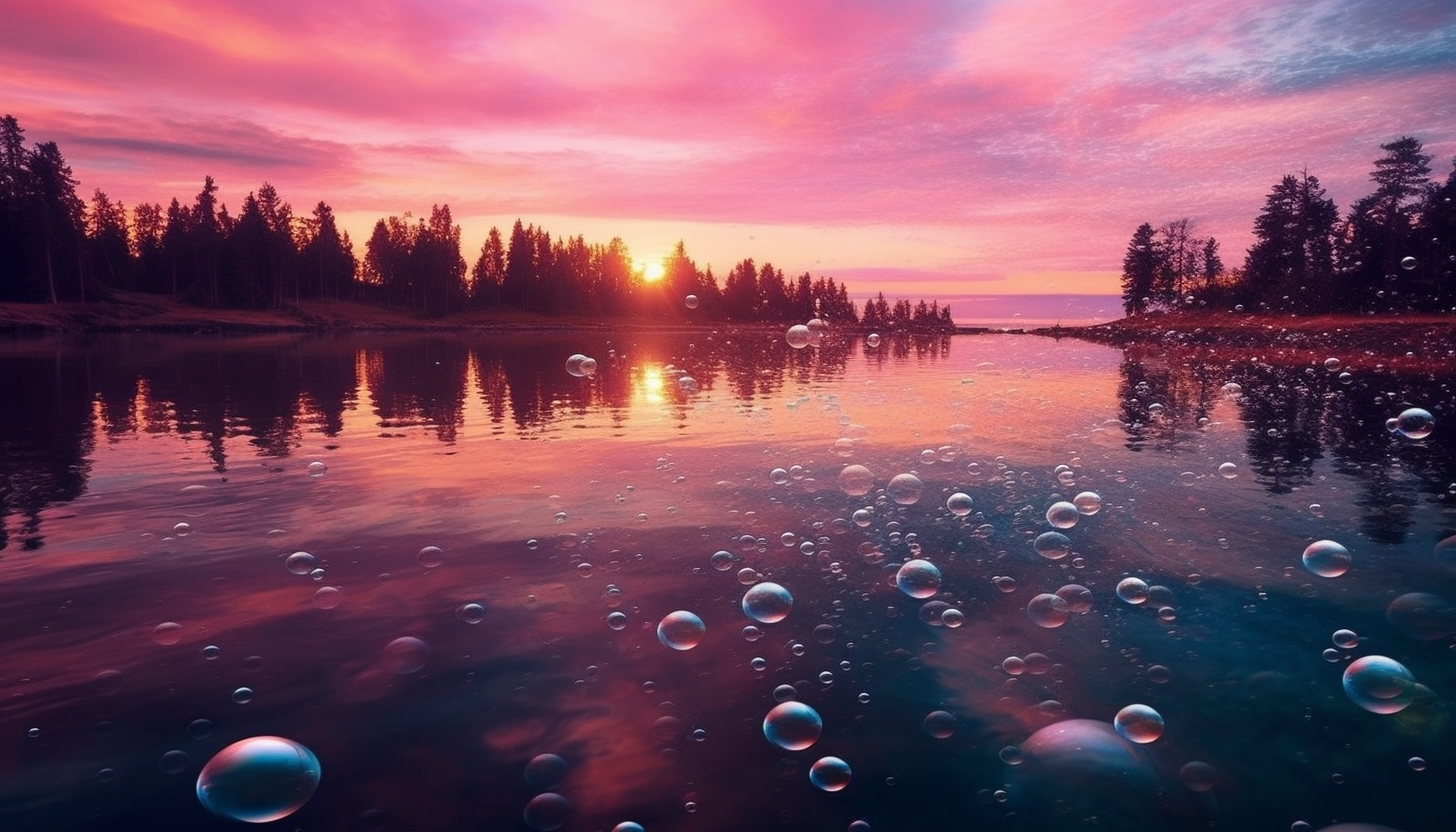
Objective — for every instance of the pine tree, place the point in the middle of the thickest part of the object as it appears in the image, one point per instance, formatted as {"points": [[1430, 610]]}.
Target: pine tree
{"points": [[1140, 268]]}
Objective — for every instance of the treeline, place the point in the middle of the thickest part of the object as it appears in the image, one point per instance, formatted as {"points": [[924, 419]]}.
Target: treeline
{"points": [[1393, 251], [55, 247]]}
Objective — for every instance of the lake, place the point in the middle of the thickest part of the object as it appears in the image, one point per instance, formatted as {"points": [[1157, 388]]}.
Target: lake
{"points": [[434, 561]]}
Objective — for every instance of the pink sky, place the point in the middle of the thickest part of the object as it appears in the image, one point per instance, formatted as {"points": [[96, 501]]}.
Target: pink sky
{"points": [[926, 147]]}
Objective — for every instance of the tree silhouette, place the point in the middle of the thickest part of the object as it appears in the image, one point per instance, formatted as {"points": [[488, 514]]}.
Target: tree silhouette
{"points": [[1140, 269]]}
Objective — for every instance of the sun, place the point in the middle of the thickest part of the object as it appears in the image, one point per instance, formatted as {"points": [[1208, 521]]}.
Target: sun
{"points": [[653, 271]]}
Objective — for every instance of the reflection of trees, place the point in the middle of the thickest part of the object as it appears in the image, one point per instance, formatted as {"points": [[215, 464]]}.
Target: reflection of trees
{"points": [[45, 437], [1295, 416], [419, 381]]}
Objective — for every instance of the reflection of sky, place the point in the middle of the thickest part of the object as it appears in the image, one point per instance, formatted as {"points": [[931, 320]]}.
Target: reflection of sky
{"points": [[649, 489]]}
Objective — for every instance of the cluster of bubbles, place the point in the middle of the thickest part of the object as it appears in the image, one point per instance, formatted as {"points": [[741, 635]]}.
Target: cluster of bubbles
{"points": [[1412, 423], [581, 366], [810, 334], [548, 810]]}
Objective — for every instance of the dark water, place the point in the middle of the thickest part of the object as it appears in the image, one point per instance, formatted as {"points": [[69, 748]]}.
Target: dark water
{"points": [[559, 500]]}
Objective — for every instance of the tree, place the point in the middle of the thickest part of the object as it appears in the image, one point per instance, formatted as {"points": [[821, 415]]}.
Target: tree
{"points": [[516, 288], [108, 247], [1140, 268], [326, 260], [1178, 256], [489, 273], [1291, 264], [1212, 263], [1377, 234], [52, 218]]}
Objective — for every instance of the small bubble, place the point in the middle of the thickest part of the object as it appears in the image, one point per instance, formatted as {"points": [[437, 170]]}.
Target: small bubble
{"points": [[167, 633], [471, 613], [431, 557], [300, 563], [317, 469], [243, 695]]}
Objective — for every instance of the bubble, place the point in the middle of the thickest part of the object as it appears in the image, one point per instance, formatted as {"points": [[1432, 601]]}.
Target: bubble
{"points": [[1052, 545], [471, 613], [317, 469], [1345, 639], [627, 825], [431, 557], [243, 695], [1422, 615], [784, 693], [1078, 598], [182, 529], [905, 489], [778, 476], [173, 762], [1445, 552], [258, 779], [1198, 776], [918, 578], [300, 563], [856, 480], [1232, 389], [1062, 515], [1416, 763], [940, 724], [792, 725], [617, 620], [691, 301], [546, 771], [864, 517], [830, 774], [1139, 723], [767, 603], [546, 812], [406, 655], [1088, 503], [327, 597], [1326, 558], [798, 336], [873, 340], [1415, 423], [959, 504], [1048, 611], [952, 618], [167, 633], [211, 651], [1407, 263], [1380, 685], [1228, 470], [1132, 590], [680, 630], [581, 366], [1014, 665]]}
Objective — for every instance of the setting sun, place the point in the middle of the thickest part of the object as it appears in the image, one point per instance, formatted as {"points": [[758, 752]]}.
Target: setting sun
{"points": [[652, 271]]}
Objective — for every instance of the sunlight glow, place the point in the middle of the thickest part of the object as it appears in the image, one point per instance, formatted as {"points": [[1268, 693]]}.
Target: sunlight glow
{"points": [[652, 271]]}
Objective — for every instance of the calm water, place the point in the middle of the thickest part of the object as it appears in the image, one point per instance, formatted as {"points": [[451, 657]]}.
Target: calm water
{"points": [[152, 481]]}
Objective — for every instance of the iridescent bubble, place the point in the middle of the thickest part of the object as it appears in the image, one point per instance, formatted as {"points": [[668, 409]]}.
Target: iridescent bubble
{"points": [[1345, 639], [792, 725], [575, 365], [1052, 545], [873, 340], [1228, 470], [1415, 423], [767, 603], [905, 489], [1132, 590], [1078, 598], [856, 480], [691, 301], [830, 774], [1379, 684], [431, 557], [546, 812], [546, 771], [471, 613], [300, 563], [617, 620], [959, 504], [1088, 503], [1139, 724], [681, 630], [1062, 515], [1198, 776], [1048, 611], [859, 826], [317, 469], [778, 476], [1014, 665], [406, 655], [939, 724], [1327, 559], [798, 336], [167, 633], [1422, 615], [258, 779], [1408, 263], [952, 618], [327, 597], [627, 825], [918, 578]]}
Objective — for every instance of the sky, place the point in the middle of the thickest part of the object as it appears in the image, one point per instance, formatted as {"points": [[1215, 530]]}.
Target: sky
{"points": [[921, 147]]}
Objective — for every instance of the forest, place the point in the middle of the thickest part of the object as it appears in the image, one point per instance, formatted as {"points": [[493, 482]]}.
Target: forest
{"points": [[1394, 251], [57, 248]]}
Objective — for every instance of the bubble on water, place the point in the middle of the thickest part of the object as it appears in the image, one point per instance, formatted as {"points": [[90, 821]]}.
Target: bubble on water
{"points": [[1071, 769], [767, 603], [627, 825], [1132, 590], [1013, 665], [830, 774], [905, 489], [952, 618], [873, 340], [1048, 611], [1232, 389], [1011, 755], [242, 695], [1228, 470], [784, 693], [617, 620], [751, 633], [471, 613], [1326, 558], [1416, 763], [798, 336], [547, 812], [431, 557], [300, 563], [856, 480], [691, 301], [211, 652], [1379, 684], [1138, 723], [576, 365], [1078, 598], [1062, 514], [317, 469], [722, 560], [864, 517], [167, 633], [1052, 545], [939, 724], [1407, 263], [1345, 639], [1088, 503], [327, 597], [258, 779], [1422, 615], [959, 504], [778, 476], [1415, 423], [174, 761], [199, 729], [406, 655], [182, 529], [1198, 776], [792, 725], [918, 578], [680, 630], [545, 771]]}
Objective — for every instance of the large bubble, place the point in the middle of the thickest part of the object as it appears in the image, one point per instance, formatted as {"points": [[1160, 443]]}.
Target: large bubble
{"points": [[547, 812], [1052, 545], [905, 489], [546, 771], [767, 603], [681, 630], [939, 724], [829, 773], [856, 480], [1415, 423], [959, 504], [793, 726], [1048, 610], [1062, 514], [1379, 684], [1422, 615], [918, 578], [798, 336], [406, 655], [1327, 559], [1082, 767], [259, 779], [1133, 590], [1138, 723]]}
